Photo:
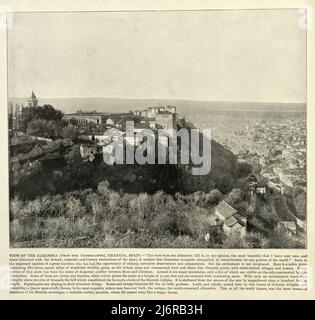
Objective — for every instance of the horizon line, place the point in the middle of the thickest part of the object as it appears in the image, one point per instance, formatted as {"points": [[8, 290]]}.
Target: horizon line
{"points": [[161, 99]]}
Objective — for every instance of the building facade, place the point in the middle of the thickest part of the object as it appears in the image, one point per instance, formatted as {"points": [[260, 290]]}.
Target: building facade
{"points": [[83, 117]]}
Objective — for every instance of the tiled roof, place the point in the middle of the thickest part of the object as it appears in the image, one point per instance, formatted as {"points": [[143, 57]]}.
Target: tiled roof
{"points": [[238, 216], [230, 221], [225, 209], [241, 219]]}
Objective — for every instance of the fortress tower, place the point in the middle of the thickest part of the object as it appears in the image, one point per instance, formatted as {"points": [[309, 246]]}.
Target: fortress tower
{"points": [[32, 101]]}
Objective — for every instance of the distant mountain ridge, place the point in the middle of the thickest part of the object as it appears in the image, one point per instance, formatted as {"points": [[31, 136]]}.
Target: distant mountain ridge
{"points": [[68, 105]]}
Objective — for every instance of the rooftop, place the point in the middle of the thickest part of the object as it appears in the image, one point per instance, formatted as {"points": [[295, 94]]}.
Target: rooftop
{"points": [[225, 209], [230, 221]]}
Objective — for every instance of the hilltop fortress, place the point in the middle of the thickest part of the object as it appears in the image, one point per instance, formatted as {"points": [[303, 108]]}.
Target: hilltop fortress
{"points": [[152, 117]]}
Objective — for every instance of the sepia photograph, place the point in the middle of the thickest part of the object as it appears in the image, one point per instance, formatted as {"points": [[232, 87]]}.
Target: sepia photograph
{"points": [[157, 129]]}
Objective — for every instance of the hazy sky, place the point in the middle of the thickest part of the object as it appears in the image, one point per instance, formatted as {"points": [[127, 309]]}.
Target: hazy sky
{"points": [[213, 55]]}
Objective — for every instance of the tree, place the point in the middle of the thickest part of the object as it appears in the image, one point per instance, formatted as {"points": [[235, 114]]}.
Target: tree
{"points": [[243, 169], [44, 128], [37, 127], [27, 180], [215, 196], [234, 196], [73, 122], [73, 157], [46, 112], [225, 182], [70, 132]]}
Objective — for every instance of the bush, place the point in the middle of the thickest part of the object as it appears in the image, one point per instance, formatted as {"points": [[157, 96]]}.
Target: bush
{"points": [[16, 207], [63, 228], [32, 208], [26, 230], [120, 223], [216, 237], [103, 189], [281, 238], [256, 240], [57, 206], [140, 205], [162, 223], [70, 132], [186, 242], [197, 222], [74, 208], [234, 240]]}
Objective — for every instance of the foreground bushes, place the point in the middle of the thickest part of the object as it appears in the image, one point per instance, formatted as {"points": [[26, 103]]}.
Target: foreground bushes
{"points": [[62, 232], [106, 218], [114, 219]]}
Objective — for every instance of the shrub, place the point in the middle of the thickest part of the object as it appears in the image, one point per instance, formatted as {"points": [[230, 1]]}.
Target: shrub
{"points": [[63, 228], [16, 207], [140, 205], [256, 240], [103, 189], [17, 231], [162, 223], [32, 208], [197, 222], [198, 198], [26, 230], [234, 240], [120, 223], [74, 208], [57, 206], [216, 237], [186, 242], [113, 201], [281, 238]]}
